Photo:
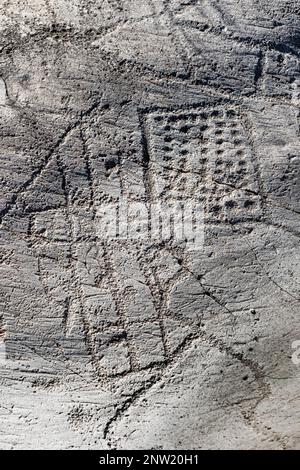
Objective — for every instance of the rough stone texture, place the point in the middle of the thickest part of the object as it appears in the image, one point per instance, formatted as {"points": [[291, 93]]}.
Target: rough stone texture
{"points": [[114, 344]]}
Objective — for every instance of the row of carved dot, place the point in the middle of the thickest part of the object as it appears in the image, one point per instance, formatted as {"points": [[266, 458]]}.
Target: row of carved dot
{"points": [[239, 152], [238, 171], [193, 116], [231, 205], [185, 127], [203, 192], [227, 163], [208, 138], [231, 131], [183, 154], [219, 132], [211, 205]]}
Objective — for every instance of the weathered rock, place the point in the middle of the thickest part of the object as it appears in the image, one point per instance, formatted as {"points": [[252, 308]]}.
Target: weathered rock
{"points": [[112, 335]]}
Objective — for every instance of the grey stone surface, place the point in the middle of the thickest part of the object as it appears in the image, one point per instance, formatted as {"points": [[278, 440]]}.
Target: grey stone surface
{"points": [[124, 343]]}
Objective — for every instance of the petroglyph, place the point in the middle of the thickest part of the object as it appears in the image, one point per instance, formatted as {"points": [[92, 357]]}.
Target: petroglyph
{"points": [[113, 339]]}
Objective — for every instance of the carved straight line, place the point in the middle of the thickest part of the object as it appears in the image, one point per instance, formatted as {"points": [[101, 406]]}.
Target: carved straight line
{"points": [[259, 70], [30, 226], [61, 169], [76, 288], [2, 330], [148, 184], [249, 131], [182, 350], [144, 141], [134, 362], [66, 315], [157, 295], [89, 170], [14, 199]]}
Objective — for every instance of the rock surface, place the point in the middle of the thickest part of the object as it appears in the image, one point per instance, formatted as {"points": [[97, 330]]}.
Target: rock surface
{"points": [[125, 343]]}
